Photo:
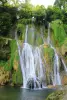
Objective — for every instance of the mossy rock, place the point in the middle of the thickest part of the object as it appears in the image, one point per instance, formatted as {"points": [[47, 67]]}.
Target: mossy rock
{"points": [[4, 48], [58, 95], [17, 77], [4, 76], [49, 56], [64, 48]]}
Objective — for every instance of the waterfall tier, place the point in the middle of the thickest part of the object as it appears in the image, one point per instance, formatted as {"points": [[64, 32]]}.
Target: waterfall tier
{"points": [[33, 65]]}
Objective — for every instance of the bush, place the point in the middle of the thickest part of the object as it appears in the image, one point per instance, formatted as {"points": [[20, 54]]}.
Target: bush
{"points": [[5, 23]]}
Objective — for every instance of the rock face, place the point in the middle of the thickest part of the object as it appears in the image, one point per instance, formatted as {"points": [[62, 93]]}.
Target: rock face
{"points": [[31, 83], [58, 95], [4, 76], [64, 80], [4, 49]]}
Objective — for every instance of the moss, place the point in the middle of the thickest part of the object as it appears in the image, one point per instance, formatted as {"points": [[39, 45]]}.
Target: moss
{"points": [[4, 48], [4, 76], [49, 56], [64, 47], [17, 77], [16, 73], [58, 95], [12, 65], [58, 32]]}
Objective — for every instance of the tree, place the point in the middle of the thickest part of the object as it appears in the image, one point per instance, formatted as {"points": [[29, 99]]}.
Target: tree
{"points": [[39, 14], [26, 11], [3, 2], [14, 3], [5, 23], [61, 3], [49, 13], [27, 1]]}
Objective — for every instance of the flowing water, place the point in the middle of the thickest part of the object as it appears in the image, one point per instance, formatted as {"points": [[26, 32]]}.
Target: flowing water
{"points": [[16, 93], [32, 65], [56, 77], [64, 65]]}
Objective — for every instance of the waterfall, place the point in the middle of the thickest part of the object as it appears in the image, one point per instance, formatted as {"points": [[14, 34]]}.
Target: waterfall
{"points": [[32, 66], [56, 77], [26, 33], [65, 67], [32, 62]]}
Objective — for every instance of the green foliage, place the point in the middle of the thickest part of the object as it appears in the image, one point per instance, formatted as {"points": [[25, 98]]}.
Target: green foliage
{"points": [[2, 63], [64, 48], [4, 48], [49, 13], [13, 50], [25, 11], [7, 19], [61, 3], [25, 21], [20, 28], [59, 32], [64, 16], [5, 23], [65, 28], [40, 13], [9, 64], [53, 13], [50, 53], [39, 40], [17, 77], [3, 2]]}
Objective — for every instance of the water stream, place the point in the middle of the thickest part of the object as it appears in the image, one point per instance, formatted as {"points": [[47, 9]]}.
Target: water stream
{"points": [[56, 77], [32, 63], [32, 66]]}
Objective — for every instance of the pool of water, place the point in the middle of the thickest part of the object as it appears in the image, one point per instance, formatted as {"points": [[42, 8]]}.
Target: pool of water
{"points": [[17, 93]]}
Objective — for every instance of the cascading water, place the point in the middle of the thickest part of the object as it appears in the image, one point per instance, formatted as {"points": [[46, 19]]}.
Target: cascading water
{"points": [[32, 63], [65, 67], [26, 34], [32, 66], [56, 78]]}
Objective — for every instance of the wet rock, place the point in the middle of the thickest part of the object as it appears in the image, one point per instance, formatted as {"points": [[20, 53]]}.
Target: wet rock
{"points": [[34, 83]]}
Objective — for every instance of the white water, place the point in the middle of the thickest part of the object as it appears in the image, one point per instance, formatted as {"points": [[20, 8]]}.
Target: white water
{"points": [[31, 65], [65, 67], [26, 34], [56, 77]]}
